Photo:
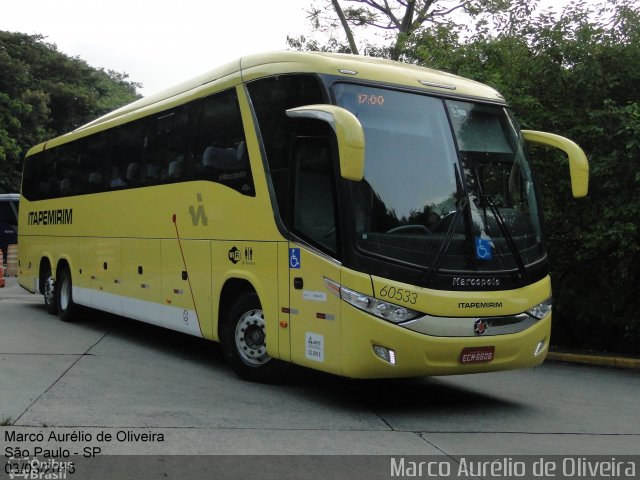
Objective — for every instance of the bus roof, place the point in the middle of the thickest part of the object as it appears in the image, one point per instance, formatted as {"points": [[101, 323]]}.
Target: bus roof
{"points": [[352, 67]]}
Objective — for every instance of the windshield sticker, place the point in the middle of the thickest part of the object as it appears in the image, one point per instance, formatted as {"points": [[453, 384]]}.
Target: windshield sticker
{"points": [[483, 249]]}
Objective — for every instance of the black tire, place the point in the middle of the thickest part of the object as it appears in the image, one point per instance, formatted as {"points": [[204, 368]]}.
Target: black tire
{"points": [[67, 309], [243, 340], [48, 288]]}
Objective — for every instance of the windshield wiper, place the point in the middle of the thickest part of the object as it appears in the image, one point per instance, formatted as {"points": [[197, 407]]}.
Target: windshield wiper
{"points": [[502, 225], [460, 208]]}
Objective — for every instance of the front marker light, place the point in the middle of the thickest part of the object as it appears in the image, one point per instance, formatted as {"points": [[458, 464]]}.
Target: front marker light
{"points": [[540, 347], [385, 310], [385, 353], [541, 310]]}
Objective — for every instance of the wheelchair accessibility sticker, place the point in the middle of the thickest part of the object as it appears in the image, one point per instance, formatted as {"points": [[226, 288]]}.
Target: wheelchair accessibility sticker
{"points": [[483, 249], [294, 258]]}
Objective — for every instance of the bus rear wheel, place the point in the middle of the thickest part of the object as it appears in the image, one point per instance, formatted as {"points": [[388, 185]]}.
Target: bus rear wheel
{"points": [[244, 342], [67, 309]]}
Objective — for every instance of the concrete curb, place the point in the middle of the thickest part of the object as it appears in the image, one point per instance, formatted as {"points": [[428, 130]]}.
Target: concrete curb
{"points": [[597, 360]]}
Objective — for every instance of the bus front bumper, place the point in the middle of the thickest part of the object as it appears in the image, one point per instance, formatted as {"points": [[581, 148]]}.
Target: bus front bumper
{"points": [[417, 354]]}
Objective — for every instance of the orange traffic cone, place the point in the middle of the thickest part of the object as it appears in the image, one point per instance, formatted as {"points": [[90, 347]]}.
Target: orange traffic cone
{"points": [[12, 261]]}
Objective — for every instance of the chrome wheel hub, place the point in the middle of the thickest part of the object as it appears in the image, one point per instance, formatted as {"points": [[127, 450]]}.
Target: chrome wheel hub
{"points": [[250, 338]]}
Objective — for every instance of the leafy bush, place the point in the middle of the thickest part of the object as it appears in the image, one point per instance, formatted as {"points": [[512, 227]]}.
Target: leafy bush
{"points": [[44, 93]]}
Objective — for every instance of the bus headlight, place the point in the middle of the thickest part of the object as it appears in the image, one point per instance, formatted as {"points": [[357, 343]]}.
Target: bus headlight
{"points": [[541, 310], [385, 310]]}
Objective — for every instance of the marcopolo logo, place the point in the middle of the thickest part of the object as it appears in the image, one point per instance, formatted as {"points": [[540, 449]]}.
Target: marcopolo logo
{"points": [[475, 282]]}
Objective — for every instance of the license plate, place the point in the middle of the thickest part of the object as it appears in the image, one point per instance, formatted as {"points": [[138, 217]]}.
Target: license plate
{"points": [[477, 354]]}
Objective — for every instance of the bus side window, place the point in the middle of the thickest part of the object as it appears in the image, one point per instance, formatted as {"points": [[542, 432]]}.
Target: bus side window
{"points": [[271, 97], [218, 144], [68, 172], [313, 192], [38, 182], [165, 148], [95, 162], [126, 153]]}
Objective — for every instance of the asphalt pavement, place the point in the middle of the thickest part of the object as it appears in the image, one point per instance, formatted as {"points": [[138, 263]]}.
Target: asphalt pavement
{"points": [[127, 388]]}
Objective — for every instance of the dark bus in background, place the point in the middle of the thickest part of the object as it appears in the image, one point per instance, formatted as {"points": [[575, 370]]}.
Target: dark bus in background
{"points": [[8, 221]]}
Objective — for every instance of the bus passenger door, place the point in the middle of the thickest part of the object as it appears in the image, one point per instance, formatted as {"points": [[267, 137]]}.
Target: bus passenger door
{"points": [[314, 311]]}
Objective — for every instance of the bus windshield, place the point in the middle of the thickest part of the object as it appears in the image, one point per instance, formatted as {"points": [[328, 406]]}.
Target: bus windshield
{"points": [[447, 186]]}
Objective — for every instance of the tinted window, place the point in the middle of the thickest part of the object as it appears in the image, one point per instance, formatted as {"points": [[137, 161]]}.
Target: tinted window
{"points": [[218, 143], [127, 169], [313, 192], [203, 140], [165, 142], [94, 162], [271, 98]]}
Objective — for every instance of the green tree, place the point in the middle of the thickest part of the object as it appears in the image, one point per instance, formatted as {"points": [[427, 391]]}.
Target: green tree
{"points": [[44, 93]]}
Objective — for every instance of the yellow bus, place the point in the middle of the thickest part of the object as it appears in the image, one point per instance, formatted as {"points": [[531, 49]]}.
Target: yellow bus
{"points": [[353, 215]]}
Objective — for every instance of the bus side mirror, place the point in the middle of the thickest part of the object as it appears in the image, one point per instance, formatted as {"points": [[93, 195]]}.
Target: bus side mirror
{"points": [[349, 134], [578, 163]]}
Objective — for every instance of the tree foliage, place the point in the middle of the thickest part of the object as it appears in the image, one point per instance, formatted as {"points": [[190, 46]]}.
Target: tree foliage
{"points": [[576, 73], [44, 93], [398, 20]]}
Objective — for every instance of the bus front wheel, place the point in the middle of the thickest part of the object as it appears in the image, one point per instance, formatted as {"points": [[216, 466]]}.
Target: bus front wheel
{"points": [[244, 342], [67, 309]]}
